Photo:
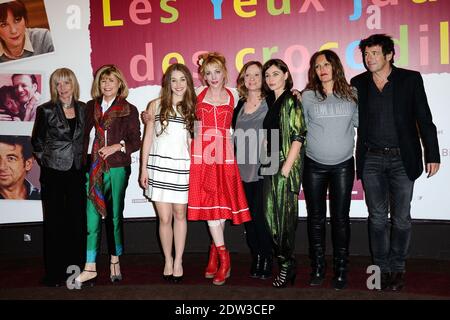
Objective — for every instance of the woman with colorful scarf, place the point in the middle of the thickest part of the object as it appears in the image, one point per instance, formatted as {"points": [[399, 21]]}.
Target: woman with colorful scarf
{"points": [[112, 134]]}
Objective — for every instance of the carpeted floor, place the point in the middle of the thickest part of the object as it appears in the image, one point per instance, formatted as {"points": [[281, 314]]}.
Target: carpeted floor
{"points": [[20, 280]]}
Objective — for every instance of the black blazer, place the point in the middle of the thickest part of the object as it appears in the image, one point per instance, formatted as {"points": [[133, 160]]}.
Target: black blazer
{"points": [[412, 118], [53, 145]]}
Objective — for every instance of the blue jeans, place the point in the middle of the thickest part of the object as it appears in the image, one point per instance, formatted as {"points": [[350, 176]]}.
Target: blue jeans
{"points": [[388, 190]]}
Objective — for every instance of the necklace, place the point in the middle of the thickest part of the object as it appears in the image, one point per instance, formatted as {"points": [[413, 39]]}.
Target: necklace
{"points": [[254, 104], [67, 106]]}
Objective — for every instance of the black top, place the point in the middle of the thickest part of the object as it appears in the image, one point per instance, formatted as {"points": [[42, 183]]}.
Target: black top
{"points": [[412, 118], [382, 132], [272, 119], [72, 124], [56, 144], [236, 110]]}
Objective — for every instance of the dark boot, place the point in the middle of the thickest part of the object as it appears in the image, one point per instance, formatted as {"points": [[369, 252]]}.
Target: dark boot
{"points": [[340, 273], [318, 266], [266, 268], [287, 275], [255, 269]]}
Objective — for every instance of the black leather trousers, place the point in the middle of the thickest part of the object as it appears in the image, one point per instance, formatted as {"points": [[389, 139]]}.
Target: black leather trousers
{"points": [[317, 180]]}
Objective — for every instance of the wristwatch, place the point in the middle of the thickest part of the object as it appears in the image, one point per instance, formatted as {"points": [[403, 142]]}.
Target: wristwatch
{"points": [[122, 146]]}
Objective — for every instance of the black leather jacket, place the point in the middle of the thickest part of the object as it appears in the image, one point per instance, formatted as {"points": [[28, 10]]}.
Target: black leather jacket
{"points": [[53, 145]]}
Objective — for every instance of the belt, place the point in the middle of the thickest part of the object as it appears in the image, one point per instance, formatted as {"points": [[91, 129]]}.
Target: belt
{"points": [[385, 151]]}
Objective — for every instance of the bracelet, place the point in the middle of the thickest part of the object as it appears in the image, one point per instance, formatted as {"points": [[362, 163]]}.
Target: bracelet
{"points": [[122, 146]]}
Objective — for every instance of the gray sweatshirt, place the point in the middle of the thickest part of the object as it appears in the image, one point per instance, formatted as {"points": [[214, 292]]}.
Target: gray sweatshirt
{"points": [[330, 123]]}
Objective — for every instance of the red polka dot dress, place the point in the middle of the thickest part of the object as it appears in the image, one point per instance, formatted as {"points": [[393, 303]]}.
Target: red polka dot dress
{"points": [[215, 187]]}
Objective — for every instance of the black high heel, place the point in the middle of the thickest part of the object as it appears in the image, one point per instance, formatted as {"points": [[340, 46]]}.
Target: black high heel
{"points": [[266, 269], [177, 279], [286, 275], [115, 277], [255, 269], [88, 283], [167, 277]]}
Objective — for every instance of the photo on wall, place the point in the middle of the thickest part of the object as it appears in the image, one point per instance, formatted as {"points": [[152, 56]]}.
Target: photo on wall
{"points": [[19, 172], [20, 94], [24, 30]]}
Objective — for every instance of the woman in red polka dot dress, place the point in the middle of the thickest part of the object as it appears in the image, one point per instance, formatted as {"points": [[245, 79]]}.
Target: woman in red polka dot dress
{"points": [[216, 193]]}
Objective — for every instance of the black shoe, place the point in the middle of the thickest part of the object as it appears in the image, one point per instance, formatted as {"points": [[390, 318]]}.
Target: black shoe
{"points": [[317, 275], [177, 279], [88, 283], [340, 272], [286, 275], [168, 277], [255, 269], [115, 277], [266, 268], [397, 281], [51, 283], [385, 280], [340, 281]]}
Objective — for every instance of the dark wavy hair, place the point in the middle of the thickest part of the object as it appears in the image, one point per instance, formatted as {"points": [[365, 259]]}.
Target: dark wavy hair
{"points": [[341, 88], [383, 40], [23, 141], [5, 92], [185, 107], [280, 64], [240, 82]]}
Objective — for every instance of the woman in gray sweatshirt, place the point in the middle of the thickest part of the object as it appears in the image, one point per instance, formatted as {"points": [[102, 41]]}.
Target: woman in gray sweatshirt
{"points": [[331, 114]]}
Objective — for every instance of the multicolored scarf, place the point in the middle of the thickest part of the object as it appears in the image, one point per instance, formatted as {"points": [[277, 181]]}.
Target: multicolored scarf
{"points": [[102, 123]]}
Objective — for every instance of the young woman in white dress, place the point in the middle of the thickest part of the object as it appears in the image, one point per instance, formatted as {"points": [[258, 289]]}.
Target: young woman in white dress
{"points": [[165, 162]]}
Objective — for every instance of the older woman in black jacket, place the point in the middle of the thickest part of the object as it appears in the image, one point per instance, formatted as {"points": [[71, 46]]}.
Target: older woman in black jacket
{"points": [[57, 141]]}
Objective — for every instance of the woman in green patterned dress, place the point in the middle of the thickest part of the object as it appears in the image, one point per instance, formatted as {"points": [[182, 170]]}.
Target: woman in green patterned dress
{"points": [[282, 172]]}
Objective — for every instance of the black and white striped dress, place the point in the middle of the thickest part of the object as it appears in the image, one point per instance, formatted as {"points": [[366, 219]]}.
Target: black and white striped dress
{"points": [[169, 162]]}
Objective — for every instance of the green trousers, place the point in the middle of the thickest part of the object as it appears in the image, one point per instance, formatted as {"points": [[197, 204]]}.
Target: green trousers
{"points": [[281, 210], [115, 183]]}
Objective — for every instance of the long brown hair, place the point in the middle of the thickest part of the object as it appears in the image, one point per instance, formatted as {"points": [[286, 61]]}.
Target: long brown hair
{"points": [[341, 88], [186, 107]]}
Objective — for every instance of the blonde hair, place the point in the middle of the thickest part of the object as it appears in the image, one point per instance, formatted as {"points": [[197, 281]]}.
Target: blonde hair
{"points": [[212, 58], [63, 74], [106, 71]]}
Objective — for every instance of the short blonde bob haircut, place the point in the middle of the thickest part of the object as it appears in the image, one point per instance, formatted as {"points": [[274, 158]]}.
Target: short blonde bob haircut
{"points": [[106, 71], [63, 74]]}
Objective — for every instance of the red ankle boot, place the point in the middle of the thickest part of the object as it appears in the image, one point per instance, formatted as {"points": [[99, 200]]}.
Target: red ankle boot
{"points": [[225, 266], [213, 263]]}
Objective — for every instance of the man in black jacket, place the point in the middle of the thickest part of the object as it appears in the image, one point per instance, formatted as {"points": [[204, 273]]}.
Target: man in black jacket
{"points": [[393, 117]]}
